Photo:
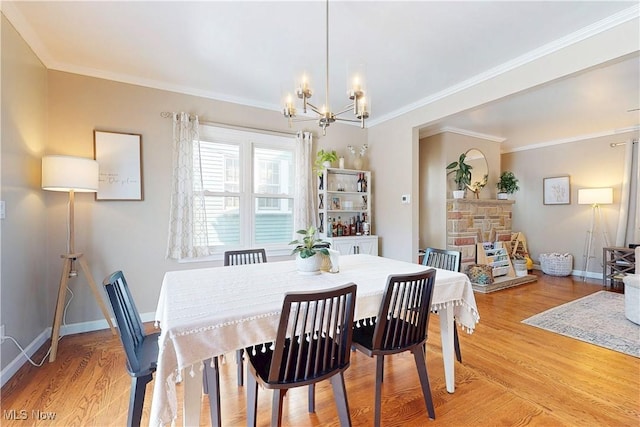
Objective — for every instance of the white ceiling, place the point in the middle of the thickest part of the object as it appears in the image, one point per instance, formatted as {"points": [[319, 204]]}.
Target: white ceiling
{"points": [[252, 52]]}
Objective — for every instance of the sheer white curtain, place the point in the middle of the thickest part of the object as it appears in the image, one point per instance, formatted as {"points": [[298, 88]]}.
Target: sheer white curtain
{"points": [[187, 216], [629, 221], [304, 206]]}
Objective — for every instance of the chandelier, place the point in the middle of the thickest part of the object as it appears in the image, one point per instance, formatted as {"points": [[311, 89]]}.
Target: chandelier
{"points": [[324, 115]]}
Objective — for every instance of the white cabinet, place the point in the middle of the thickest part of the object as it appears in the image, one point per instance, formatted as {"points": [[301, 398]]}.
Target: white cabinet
{"points": [[355, 245]]}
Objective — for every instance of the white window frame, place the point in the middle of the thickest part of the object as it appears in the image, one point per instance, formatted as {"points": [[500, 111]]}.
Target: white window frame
{"points": [[247, 141]]}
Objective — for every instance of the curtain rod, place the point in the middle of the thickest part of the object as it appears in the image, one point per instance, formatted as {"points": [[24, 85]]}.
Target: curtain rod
{"points": [[618, 144], [169, 115]]}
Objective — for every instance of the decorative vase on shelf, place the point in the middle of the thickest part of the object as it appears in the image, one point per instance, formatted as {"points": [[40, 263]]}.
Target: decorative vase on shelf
{"points": [[458, 194]]}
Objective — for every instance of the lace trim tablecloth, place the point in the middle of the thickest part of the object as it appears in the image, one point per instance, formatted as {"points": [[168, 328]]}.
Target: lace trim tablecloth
{"points": [[211, 311]]}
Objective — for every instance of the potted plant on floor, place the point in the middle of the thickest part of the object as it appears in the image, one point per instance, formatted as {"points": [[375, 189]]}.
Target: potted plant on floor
{"points": [[324, 160], [508, 184], [310, 251], [462, 175]]}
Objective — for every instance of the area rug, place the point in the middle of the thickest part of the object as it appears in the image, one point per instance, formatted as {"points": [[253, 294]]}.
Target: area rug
{"points": [[597, 319]]}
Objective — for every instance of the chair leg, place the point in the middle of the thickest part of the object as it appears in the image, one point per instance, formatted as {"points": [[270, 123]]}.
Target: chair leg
{"points": [[276, 406], [421, 365], [211, 379], [312, 398], [340, 396], [239, 359], [136, 399], [456, 343], [252, 399], [379, 365]]}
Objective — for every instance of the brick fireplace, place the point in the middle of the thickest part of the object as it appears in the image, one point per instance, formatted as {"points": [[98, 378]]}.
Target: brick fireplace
{"points": [[471, 221]]}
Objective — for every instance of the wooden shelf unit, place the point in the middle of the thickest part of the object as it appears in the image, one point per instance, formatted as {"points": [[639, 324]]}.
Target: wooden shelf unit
{"points": [[497, 256], [618, 262]]}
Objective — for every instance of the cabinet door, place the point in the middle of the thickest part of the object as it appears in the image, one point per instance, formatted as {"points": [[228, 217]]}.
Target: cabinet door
{"points": [[345, 247], [368, 246]]}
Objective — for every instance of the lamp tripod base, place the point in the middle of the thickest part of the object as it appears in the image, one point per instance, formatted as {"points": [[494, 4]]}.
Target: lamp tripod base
{"points": [[67, 272]]}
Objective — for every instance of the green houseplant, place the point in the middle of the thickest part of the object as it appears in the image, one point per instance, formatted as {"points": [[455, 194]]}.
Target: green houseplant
{"points": [[310, 250], [507, 184], [324, 160], [462, 174]]}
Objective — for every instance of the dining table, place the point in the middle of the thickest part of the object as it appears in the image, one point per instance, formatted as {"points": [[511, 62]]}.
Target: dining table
{"points": [[208, 312]]}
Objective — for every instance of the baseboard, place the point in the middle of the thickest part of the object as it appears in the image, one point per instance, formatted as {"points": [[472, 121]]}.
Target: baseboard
{"points": [[76, 328], [578, 273]]}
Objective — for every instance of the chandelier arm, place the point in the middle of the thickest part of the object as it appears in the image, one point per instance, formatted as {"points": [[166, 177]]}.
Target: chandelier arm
{"points": [[314, 108], [340, 119], [305, 120], [348, 108]]}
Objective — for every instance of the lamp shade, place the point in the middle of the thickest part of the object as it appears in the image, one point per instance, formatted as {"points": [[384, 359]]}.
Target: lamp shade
{"points": [[65, 173], [595, 196]]}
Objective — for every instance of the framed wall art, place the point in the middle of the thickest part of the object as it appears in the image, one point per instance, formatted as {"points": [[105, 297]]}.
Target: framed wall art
{"points": [[556, 190], [119, 157]]}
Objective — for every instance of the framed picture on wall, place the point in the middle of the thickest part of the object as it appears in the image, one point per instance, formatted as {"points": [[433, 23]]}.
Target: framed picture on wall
{"points": [[119, 157], [556, 190]]}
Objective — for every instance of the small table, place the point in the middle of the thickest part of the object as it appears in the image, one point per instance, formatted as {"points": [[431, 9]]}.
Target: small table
{"points": [[212, 311], [618, 262]]}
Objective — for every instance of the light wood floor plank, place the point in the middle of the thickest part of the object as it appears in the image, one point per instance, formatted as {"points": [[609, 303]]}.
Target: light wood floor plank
{"points": [[513, 374]]}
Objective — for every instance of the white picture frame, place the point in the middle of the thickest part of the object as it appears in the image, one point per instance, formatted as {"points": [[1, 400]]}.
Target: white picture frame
{"points": [[556, 190], [119, 157]]}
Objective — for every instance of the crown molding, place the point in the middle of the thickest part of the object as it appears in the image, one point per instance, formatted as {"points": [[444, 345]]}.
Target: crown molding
{"points": [[556, 45], [464, 132], [576, 138]]}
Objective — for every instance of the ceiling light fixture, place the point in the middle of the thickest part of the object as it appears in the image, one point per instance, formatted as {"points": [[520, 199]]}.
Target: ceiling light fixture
{"points": [[324, 115]]}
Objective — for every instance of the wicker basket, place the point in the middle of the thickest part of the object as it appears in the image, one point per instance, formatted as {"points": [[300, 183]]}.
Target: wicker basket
{"points": [[556, 264]]}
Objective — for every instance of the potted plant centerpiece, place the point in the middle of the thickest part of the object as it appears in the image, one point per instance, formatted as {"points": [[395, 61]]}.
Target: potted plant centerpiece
{"points": [[508, 184], [462, 175], [310, 251], [324, 160]]}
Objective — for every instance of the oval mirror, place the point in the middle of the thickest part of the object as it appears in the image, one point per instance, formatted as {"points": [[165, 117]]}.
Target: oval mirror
{"points": [[480, 168]]}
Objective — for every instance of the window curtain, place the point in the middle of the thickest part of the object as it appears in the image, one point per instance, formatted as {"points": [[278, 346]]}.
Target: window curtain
{"points": [[304, 207], [187, 216], [629, 221]]}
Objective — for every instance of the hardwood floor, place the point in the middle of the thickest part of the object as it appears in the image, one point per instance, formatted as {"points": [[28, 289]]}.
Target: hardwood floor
{"points": [[512, 374]]}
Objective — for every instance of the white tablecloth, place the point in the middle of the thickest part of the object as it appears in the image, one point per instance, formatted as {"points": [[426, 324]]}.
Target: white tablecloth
{"points": [[211, 311]]}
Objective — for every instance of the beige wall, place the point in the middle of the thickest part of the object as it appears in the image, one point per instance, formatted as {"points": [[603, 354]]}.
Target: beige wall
{"points": [[436, 152], [394, 143], [50, 112], [563, 228], [130, 235], [25, 290]]}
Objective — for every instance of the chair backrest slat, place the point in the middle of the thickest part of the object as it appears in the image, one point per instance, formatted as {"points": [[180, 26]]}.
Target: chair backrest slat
{"points": [[404, 313], [314, 335], [245, 256], [127, 317], [442, 258]]}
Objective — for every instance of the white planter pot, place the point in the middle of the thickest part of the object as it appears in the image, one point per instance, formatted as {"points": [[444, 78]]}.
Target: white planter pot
{"points": [[458, 194], [310, 265], [503, 196]]}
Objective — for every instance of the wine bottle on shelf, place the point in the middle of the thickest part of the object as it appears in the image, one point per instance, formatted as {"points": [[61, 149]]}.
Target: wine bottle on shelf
{"points": [[359, 183], [329, 227], [352, 226], [339, 230], [358, 226]]}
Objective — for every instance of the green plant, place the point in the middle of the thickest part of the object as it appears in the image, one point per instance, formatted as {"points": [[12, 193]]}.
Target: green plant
{"points": [[462, 172], [508, 183], [310, 244], [324, 156]]}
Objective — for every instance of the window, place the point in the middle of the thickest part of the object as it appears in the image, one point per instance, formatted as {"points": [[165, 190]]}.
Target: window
{"points": [[248, 180]]}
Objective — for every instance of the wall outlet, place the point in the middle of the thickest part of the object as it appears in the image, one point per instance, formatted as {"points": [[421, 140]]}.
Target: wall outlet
{"points": [[2, 334]]}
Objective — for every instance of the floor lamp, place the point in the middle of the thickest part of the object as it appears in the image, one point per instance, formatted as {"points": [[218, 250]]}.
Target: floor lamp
{"points": [[594, 197], [71, 174]]}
